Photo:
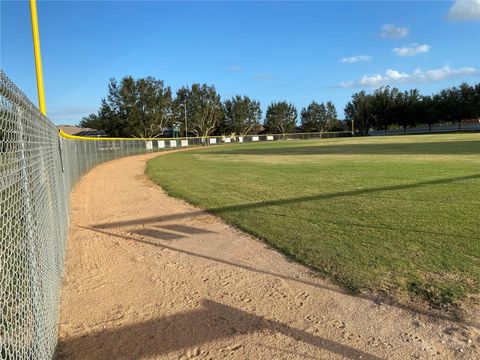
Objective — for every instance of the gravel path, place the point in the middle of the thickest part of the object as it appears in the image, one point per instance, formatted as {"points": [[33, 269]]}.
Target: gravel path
{"points": [[150, 277]]}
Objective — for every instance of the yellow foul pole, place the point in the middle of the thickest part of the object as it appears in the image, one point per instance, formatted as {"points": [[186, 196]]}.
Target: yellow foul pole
{"points": [[38, 57]]}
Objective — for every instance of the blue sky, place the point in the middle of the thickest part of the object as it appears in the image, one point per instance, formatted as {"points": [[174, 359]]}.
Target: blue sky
{"points": [[294, 51]]}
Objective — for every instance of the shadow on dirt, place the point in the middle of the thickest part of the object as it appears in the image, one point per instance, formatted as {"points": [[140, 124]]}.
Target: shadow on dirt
{"points": [[375, 298], [186, 330]]}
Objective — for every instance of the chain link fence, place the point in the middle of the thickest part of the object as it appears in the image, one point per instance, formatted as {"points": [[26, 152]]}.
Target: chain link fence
{"points": [[38, 170], [33, 227]]}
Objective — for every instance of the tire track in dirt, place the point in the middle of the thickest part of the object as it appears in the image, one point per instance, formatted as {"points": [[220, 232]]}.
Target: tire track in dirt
{"points": [[151, 277]]}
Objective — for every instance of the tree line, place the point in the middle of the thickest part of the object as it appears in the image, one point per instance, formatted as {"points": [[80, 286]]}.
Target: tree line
{"points": [[387, 107], [144, 107]]}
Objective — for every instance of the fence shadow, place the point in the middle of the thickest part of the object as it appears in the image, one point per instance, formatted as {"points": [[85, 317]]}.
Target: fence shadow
{"points": [[300, 199], [184, 229], [455, 317], [339, 194], [182, 331], [162, 235], [375, 298]]}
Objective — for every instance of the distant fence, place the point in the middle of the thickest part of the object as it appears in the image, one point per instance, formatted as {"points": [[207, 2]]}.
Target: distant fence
{"points": [[434, 129], [125, 144], [38, 170]]}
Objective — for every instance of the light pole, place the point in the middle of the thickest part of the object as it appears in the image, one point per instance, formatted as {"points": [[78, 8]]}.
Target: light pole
{"points": [[185, 112]]}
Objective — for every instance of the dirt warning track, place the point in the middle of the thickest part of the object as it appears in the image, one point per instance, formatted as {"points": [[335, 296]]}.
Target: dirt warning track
{"points": [[150, 277]]}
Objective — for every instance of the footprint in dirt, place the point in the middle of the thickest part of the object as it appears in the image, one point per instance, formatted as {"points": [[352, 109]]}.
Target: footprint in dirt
{"points": [[315, 319]]}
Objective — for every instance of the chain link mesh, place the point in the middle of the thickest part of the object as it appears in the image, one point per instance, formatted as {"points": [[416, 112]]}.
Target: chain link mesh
{"points": [[38, 170], [33, 227]]}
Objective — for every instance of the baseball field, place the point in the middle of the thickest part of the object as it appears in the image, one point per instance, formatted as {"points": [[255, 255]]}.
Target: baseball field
{"points": [[388, 214]]}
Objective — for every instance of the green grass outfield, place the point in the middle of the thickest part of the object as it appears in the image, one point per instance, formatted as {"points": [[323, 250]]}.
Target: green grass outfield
{"points": [[396, 214]]}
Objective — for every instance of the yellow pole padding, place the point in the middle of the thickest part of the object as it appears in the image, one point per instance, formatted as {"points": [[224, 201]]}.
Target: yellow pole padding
{"points": [[38, 57]]}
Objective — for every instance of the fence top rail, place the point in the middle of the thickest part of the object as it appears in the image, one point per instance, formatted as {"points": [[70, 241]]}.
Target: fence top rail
{"points": [[75, 137]]}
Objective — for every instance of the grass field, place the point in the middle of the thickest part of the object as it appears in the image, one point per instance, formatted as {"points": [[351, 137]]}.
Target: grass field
{"points": [[394, 214]]}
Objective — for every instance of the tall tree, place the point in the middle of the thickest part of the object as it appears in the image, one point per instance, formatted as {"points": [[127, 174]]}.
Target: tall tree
{"points": [[466, 99], [314, 118], [281, 117], [331, 117], [203, 108], [406, 108], [476, 101], [133, 108], [92, 121], [241, 115], [383, 106], [449, 105], [426, 112], [359, 110]]}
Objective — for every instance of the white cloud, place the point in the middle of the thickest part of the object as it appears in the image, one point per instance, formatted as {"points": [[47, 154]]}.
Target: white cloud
{"points": [[395, 75], [355, 59], [263, 77], [412, 49], [393, 32], [418, 76], [236, 68], [464, 10]]}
